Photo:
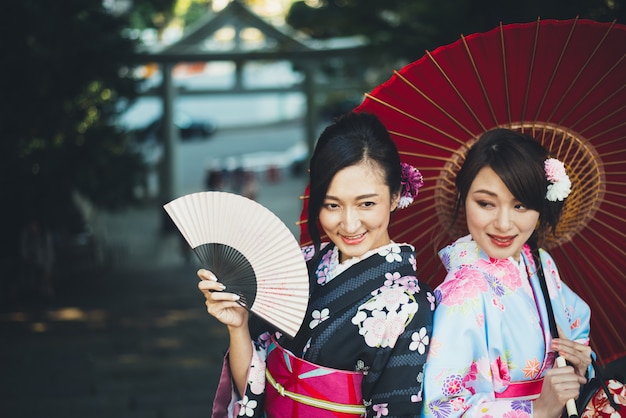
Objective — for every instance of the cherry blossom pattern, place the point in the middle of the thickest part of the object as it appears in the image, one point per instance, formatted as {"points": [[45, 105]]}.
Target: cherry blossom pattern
{"points": [[381, 409], [383, 318], [419, 341], [319, 317], [247, 407], [391, 253]]}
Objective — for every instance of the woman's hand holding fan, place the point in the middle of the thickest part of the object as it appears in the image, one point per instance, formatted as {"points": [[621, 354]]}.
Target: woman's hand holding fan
{"points": [[224, 306]]}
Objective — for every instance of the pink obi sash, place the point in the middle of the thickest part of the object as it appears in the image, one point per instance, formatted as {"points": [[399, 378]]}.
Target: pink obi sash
{"points": [[528, 389], [298, 388]]}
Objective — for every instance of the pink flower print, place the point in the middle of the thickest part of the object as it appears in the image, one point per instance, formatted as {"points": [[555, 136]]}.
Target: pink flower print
{"points": [[319, 317], [516, 414], [458, 404], [575, 324], [413, 262], [393, 298], [480, 320], [256, 377], [502, 269], [497, 303], [416, 398], [381, 409], [500, 373], [373, 328], [471, 376], [469, 284], [390, 278], [431, 298], [452, 385]]}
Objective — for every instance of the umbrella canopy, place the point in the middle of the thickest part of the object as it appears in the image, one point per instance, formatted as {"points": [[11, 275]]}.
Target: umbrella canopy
{"points": [[562, 82]]}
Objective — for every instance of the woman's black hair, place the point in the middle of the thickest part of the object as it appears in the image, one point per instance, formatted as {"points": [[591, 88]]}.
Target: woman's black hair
{"points": [[518, 159], [353, 138]]}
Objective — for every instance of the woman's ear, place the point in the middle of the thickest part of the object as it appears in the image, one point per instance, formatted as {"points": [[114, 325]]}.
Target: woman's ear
{"points": [[395, 200]]}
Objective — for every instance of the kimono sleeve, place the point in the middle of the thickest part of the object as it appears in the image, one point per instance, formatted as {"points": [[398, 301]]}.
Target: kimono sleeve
{"points": [[228, 402], [393, 385], [458, 374]]}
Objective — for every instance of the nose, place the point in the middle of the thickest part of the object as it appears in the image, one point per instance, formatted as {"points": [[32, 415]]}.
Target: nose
{"points": [[350, 221], [503, 220]]}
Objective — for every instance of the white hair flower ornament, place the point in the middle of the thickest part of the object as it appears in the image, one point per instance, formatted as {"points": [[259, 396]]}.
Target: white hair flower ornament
{"points": [[411, 181], [560, 185]]}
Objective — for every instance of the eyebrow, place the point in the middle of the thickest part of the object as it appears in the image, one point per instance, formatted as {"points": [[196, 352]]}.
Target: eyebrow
{"points": [[489, 192], [363, 196]]}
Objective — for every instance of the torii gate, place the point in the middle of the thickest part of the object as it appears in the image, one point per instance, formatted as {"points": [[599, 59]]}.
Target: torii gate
{"points": [[192, 48]]}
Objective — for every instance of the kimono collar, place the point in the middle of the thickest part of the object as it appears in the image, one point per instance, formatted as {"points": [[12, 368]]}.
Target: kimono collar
{"points": [[465, 251]]}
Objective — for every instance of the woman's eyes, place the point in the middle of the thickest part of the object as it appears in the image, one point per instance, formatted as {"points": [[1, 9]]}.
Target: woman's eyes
{"points": [[332, 206], [486, 204]]}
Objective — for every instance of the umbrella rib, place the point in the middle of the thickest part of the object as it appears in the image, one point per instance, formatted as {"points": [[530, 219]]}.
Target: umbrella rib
{"points": [[595, 108], [480, 80], [506, 75], [433, 127], [608, 242], [580, 71], [605, 117], [601, 134], [425, 142], [530, 69], [554, 71], [432, 101], [456, 90], [590, 292]]}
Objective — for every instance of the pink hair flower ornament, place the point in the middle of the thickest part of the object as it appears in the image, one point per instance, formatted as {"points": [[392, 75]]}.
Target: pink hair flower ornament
{"points": [[411, 181], [560, 185]]}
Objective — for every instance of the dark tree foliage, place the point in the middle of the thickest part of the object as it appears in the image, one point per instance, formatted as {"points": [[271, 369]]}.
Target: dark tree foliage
{"points": [[404, 29], [64, 72]]}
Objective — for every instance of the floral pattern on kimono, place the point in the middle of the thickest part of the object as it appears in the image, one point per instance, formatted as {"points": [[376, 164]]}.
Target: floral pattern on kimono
{"points": [[491, 329], [370, 315]]}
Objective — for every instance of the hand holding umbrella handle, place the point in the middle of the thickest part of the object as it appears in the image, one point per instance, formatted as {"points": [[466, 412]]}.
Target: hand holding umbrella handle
{"points": [[571, 404]]}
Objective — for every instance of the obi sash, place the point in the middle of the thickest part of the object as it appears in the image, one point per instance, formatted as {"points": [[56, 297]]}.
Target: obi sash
{"points": [[527, 389], [297, 388]]}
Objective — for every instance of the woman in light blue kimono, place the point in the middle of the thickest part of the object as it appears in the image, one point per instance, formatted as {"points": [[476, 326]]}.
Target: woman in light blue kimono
{"points": [[492, 352]]}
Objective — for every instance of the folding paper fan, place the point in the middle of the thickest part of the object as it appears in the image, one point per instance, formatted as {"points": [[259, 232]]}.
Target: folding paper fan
{"points": [[250, 250]]}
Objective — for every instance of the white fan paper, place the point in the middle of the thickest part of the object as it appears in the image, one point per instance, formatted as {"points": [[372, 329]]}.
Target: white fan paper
{"points": [[250, 250]]}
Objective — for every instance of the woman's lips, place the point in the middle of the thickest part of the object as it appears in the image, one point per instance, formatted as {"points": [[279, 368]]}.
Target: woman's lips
{"points": [[502, 241], [353, 239]]}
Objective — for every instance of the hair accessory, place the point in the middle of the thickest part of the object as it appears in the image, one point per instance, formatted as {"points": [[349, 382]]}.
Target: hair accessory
{"points": [[560, 186], [412, 180]]}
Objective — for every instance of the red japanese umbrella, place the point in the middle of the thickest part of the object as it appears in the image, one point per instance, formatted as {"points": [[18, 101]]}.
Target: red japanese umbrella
{"points": [[562, 82]]}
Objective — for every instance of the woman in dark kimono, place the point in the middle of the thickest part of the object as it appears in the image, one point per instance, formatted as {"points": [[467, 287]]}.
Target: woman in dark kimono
{"points": [[361, 348]]}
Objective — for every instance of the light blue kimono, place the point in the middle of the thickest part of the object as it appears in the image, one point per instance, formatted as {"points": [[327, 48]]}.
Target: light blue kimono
{"points": [[491, 329]]}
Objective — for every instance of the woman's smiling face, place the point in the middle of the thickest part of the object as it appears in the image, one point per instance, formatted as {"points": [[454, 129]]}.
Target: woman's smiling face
{"points": [[498, 222], [356, 210]]}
